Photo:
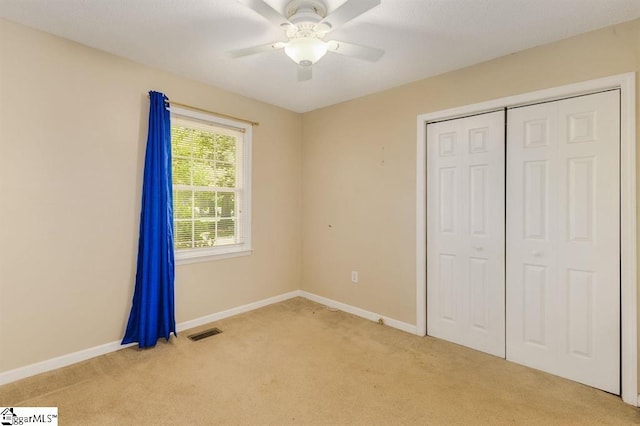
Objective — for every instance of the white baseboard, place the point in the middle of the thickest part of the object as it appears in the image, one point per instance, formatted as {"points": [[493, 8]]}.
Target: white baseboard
{"points": [[85, 354], [372, 316], [59, 362]]}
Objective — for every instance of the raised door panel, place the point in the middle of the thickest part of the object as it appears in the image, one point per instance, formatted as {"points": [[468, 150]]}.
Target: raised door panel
{"points": [[448, 199], [534, 305], [479, 201], [580, 312], [581, 212], [447, 287], [478, 287], [535, 193]]}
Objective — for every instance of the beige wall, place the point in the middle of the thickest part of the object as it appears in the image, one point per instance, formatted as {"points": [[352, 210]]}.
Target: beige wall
{"points": [[359, 164], [73, 124]]}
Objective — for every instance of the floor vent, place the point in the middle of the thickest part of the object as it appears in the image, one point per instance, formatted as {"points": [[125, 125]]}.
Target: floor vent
{"points": [[205, 334]]}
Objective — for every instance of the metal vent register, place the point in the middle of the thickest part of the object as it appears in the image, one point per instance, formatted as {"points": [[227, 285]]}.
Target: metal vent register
{"points": [[204, 334]]}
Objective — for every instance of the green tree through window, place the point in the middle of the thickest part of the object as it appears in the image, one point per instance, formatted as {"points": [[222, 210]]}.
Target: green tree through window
{"points": [[206, 182]]}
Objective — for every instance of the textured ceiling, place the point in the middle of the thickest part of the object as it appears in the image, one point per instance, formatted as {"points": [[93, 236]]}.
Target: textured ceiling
{"points": [[421, 38]]}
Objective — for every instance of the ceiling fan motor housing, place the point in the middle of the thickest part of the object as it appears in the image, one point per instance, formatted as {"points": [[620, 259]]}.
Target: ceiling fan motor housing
{"points": [[305, 15]]}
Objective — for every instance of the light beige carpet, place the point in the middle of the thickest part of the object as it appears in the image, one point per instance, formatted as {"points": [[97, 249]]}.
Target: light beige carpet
{"points": [[297, 363]]}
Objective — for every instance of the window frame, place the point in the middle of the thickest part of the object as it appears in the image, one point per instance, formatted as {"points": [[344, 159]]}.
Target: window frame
{"points": [[185, 256]]}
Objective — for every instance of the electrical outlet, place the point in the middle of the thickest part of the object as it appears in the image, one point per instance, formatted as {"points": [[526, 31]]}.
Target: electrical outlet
{"points": [[354, 276]]}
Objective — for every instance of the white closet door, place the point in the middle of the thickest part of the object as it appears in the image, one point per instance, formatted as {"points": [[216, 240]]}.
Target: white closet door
{"points": [[563, 250], [465, 231]]}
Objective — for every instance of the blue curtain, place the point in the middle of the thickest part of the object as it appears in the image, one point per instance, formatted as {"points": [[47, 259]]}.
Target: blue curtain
{"points": [[152, 311]]}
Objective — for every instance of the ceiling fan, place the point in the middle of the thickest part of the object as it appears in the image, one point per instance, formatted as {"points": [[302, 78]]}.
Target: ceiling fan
{"points": [[306, 23]]}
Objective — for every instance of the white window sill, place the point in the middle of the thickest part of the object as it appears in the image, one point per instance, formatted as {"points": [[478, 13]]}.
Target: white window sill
{"points": [[186, 257]]}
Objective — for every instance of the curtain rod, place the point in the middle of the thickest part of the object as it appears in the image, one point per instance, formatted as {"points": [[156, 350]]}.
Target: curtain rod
{"points": [[244, 120]]}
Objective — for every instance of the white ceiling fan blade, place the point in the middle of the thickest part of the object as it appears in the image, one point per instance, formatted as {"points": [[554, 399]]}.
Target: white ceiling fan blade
{"points": [[349, 10], [366, 53], [269, 13], [256, 49], [304, 72]]}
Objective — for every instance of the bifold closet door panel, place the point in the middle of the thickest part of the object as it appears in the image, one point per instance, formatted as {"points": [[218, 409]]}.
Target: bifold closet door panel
{"points": [[465, 231], [563, 233]]}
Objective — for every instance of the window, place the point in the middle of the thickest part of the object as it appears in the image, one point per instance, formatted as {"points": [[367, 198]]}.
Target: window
{"points": [[211, 186]]}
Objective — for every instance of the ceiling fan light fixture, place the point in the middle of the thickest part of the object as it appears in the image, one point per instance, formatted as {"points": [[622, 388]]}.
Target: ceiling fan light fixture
{"points": [[305, 49]]}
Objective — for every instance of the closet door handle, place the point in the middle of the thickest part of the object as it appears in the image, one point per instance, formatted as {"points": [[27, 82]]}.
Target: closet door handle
{"points": [[536, 253], [478, 248]]}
